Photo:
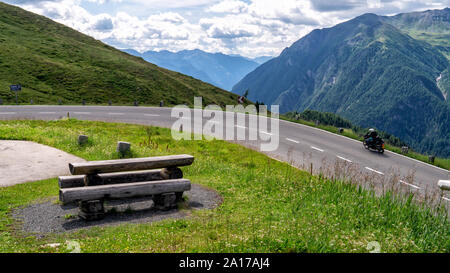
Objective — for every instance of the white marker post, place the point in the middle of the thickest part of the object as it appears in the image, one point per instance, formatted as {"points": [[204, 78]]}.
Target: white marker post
{"points": [[444, 185]]}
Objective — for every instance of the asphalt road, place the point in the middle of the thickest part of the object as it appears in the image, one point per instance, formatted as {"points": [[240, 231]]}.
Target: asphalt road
{"points": [[299, 145]]}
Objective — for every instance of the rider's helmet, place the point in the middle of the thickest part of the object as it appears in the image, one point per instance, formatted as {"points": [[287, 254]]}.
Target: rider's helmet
{"points": [[373, 132]]}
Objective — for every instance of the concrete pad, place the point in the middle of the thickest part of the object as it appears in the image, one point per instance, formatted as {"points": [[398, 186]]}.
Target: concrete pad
{"points": [[25, 161]]}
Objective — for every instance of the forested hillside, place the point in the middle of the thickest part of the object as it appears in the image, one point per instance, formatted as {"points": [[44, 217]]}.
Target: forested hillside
{"points": [[367, 71]]}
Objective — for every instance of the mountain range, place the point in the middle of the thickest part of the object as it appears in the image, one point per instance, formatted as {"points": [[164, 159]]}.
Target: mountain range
{"points": [[376, 71], [221, 70], [388, 72], [55, 63]]}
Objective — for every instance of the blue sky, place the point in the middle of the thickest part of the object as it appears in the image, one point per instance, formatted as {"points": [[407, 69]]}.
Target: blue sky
{"points": [[247, 27]]}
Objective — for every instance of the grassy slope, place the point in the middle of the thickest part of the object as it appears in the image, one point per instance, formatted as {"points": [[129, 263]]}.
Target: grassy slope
{"points": [[54, 62], [268, 205]]}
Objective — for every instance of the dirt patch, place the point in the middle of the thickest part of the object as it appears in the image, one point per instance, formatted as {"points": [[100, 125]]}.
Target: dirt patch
{"points": [[25, 161], [49, 217]]}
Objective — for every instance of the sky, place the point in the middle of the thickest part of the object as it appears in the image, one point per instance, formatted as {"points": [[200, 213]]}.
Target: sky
{"points": [[250, 28]]}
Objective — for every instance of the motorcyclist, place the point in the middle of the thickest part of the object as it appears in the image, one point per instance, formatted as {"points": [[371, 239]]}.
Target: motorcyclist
{"points": [[371, 137]]}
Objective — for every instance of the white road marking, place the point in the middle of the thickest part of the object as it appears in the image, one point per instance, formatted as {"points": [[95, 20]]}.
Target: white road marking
{"points": [[292, 140], [411, 185], [47, 112], [151, 115], [7, 113], [345, 159], [266, 133], [357, 141], [317, 149], [116, 114], [243, 127], [446, 199], [375, 171], [82, 113], [418, 161]]}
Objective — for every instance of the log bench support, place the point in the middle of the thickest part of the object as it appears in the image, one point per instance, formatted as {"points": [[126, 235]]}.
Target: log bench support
{"points": [[92, 210], [165, 201]]}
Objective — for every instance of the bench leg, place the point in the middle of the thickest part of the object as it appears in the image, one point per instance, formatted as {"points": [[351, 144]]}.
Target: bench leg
{"points": [[171, 173], [165, 201], [179, 196], [91, 210], [93, 180]]}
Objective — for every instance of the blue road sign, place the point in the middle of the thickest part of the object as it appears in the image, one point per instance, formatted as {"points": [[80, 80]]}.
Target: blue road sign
{"points": [[15, 87]]}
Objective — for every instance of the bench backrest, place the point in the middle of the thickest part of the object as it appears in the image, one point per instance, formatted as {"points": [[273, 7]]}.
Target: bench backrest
{"points": [[132, 164]]}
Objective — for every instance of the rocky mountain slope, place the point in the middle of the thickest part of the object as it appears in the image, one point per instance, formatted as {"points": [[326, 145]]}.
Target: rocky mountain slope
{"points": [[369, 71]]}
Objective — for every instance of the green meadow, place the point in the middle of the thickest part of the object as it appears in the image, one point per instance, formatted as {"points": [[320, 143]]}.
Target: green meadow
{"points": [[268, 206]]}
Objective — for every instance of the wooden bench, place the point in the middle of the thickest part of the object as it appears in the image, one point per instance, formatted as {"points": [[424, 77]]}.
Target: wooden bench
{"points": [[94, 182]]}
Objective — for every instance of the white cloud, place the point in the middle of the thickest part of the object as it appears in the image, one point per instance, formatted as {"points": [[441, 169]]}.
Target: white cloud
{"points": [[103, 23], [171, 17], [251, 28], [288, 11], [230, 27], [230, 31], [163, 4], [229, 6]]}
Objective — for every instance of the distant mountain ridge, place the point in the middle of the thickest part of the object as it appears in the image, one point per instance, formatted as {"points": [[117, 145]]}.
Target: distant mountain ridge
{"points": [[262, 59], [369, 71], [430, 21], [259, 60], [431, 26], [221, 70]]}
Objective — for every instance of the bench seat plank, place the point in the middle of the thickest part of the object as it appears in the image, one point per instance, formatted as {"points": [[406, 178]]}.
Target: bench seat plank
{"points": [[128, 190], [76, 181], [132, 164]]}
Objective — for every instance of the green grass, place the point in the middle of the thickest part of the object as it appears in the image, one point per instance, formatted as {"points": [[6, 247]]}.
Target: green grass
{"points": [[268, 206], [53, 62], [437, 39], [439, 162]]}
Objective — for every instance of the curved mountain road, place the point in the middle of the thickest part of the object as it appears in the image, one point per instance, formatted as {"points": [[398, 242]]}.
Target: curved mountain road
{"points": [[299, 145]]}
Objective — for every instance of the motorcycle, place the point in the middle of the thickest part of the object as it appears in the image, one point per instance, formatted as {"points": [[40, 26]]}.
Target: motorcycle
{"points": [[376, 145]]}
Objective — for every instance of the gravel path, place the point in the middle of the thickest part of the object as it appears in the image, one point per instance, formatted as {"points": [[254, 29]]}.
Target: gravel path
{"points": [[25, 161], [50, 217]]}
